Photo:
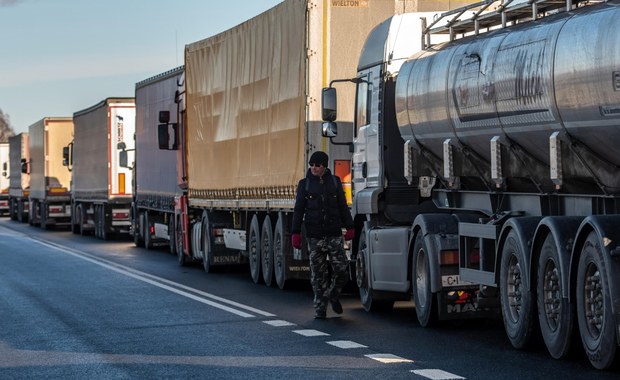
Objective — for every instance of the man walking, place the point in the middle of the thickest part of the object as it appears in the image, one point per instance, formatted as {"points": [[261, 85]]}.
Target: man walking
{"points": [[321, 205]]}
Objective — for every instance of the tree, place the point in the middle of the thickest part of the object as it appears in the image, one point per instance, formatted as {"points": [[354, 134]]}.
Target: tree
{"points": [[6, 130]]}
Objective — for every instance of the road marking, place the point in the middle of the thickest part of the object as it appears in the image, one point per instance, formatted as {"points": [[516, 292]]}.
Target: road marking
{"points": [[437, 374], [388, 358], [279, 323], [310, 333], [346, 344], [160, 282]]}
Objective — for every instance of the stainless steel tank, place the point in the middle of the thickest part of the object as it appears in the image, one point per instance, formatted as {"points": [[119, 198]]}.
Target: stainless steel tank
{"points": [[522, 83]]}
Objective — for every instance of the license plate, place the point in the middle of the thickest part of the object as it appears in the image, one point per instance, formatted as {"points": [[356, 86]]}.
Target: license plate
{"points": [[454, 280]]}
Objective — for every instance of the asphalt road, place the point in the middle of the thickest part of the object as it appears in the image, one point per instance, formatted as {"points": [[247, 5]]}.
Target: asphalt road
{"points": [[74, 307]]}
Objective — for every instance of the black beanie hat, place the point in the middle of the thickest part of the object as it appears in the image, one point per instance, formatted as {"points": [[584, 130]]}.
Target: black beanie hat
{"points": [[319, 158]]}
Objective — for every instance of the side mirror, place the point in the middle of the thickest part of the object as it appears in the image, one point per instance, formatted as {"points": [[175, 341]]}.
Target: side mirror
{"points": [[164, 138], [25, 166], [329, 129], [329, 106], [65, 156], [122, 159], [164, 117]]}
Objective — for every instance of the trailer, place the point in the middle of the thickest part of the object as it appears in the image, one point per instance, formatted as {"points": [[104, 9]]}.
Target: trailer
{"points": [[49, 198], [156, 173], [4, 178], [101, 190], [492, 185], [249, 119], [19, 181]]}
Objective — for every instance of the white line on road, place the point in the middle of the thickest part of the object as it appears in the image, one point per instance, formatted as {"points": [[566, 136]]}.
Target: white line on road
{"points": [[437, 374], [346, 344], [160, 282], [278, 323], [388, 358], [310, 333]]}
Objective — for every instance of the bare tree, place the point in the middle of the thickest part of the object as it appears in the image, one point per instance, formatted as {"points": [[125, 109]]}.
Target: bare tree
{"points": [[6, 130]]}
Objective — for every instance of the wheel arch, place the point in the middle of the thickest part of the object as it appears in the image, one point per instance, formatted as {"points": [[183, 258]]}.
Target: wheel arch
{"points": [[525, 228]]}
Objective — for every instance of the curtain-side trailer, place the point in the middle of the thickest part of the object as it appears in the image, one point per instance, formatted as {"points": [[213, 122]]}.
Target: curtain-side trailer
{"points": [[5, 175]]}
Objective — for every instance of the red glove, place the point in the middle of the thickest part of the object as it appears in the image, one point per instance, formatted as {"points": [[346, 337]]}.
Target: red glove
{"points": [[350, 234], [296, 240]]}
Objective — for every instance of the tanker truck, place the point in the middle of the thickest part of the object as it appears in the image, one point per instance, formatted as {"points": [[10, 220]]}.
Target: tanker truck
{"points": [[4, 178], [156, 178], [101, 191], [49, 200], [249, 119], [485, 171], [19, 181]]}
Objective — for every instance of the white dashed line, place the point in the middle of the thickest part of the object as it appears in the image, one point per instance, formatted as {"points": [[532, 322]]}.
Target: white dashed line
{"points": [[388, 358], [346, 344], [437, 374], [279, 323], [310, 333]]}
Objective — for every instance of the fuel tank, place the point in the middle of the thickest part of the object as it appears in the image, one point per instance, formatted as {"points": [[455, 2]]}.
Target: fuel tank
{"points": [[522, 83]]}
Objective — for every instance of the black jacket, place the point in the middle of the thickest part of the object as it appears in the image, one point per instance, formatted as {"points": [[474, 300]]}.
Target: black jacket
{"points": [[321, 205]]}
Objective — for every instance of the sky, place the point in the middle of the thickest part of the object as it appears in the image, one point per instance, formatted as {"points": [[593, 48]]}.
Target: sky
{"points": [[58, 57]]}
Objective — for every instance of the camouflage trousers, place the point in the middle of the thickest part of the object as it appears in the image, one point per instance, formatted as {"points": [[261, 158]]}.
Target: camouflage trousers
{"points": [[326, 285]]}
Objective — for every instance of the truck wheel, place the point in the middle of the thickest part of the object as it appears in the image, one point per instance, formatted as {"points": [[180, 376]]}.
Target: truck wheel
{"points": [[516, 301], [103, 231], [83, 230], [367, 295], [178, 239], [281, 246], [205, 243], [146, 231], [594, 309], [253, 249], [554, 313], [138, 221], [75, 227], [172, 245], [97, 221], [266, 250], [425, 300], [43, 218]]}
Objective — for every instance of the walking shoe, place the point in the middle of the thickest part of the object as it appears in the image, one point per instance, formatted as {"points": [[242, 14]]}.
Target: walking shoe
{"points": [[320, 314], [336, 306]]}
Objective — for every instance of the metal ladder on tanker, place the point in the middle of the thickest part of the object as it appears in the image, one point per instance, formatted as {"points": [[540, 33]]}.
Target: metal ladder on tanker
{"points": [[484, 18]]}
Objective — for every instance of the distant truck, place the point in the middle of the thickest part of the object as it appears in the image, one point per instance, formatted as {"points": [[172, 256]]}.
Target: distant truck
{"points": [[155, 171], [49, 198], [19, 181], [249, 120], [101, 190], [4, 178]]}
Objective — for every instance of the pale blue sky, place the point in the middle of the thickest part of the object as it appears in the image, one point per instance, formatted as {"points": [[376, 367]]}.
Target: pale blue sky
{"points": [[61, 56]]}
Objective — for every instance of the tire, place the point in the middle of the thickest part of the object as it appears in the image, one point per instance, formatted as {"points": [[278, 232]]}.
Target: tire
{"points": [[266, 251], [43, 218], [554, 312], [75, 227], [146, 231], [182, 260], [205, 243], [426, 308], [103, 231], [253, 249], [594, 306], [281, 247], [172, 245], [83, 230], [516, 302], [368, 297], [98, 221], [138, 221]]}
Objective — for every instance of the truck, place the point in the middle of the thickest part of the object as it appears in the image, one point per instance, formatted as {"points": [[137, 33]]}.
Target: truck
{"points": [[155, 182], [49, 198], [485, 171], [19, 181], [249, 119], [101, 189], [4, 178]]}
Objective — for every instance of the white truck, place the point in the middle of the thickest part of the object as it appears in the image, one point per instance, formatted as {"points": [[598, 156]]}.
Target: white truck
{"points": [[19, 181], [485, 170], [101, 189], [49, 197], [4, 178]]}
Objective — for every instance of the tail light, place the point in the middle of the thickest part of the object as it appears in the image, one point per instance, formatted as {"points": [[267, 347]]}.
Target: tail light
{"points": [[449, 257]]}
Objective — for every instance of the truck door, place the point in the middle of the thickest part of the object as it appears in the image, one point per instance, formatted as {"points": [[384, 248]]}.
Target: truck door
{"points": [[367, 171]]}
